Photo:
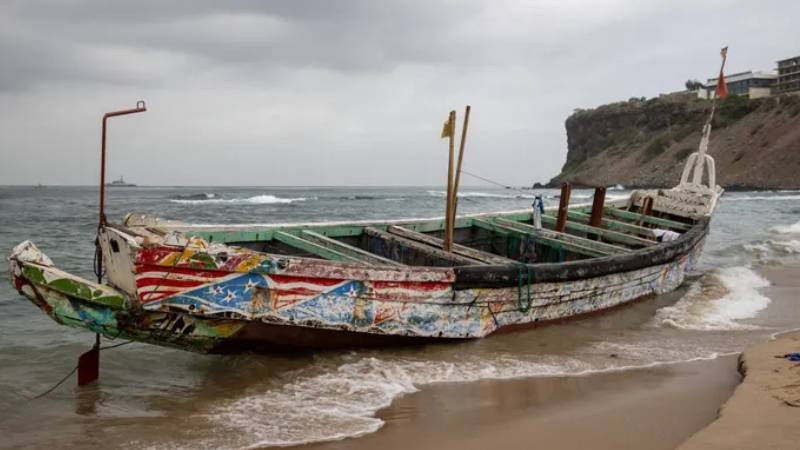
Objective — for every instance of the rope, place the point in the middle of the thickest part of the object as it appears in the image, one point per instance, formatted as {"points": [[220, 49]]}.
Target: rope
{"points": [[98, 257], [53, 388], [496, 183], [528, 278], [71, 372]]}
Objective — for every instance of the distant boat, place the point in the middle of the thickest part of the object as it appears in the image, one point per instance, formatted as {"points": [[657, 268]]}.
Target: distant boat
{"points": [[120, 183]]}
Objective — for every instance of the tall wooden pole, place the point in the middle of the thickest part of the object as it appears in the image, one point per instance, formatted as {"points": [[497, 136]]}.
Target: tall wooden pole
{"points": [[563, 207], [458, 171], [598, 202], [448, 243]]}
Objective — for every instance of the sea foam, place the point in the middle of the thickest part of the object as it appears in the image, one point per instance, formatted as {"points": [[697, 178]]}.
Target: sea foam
{"points": [[788, 229], [760, 197], [720, 301], [342, 402], [265, 199]]}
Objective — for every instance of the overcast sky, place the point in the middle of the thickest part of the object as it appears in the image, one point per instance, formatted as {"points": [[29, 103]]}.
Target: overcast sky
{"points": [[343, 92]]}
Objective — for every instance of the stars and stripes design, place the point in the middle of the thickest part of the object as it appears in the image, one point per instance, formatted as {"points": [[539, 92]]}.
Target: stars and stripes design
{"points": [[213, 291], [157, 282], [245, 286]]}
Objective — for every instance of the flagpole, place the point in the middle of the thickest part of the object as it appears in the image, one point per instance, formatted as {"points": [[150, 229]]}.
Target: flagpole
{"points": [[448, 244]]}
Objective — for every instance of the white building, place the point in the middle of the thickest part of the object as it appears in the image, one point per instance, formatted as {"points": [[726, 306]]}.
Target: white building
{"points": [[751, 84]]}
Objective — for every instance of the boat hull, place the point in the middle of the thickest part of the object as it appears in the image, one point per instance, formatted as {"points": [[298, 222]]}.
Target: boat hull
{"points": [[340, 316]]}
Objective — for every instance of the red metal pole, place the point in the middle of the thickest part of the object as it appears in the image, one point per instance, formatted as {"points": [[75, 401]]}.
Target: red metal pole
{"points": [[140, 107], [89, 362]]}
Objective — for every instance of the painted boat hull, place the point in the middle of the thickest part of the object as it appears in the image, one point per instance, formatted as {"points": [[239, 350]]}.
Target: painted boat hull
{"points": [[449, 305]]}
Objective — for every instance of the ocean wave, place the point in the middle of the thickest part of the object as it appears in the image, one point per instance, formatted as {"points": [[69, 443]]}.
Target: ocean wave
{"points": [[481, 195], [342, 401], [788, 229], [265, 199], [732, 198], [720, 300], [199, 196]]}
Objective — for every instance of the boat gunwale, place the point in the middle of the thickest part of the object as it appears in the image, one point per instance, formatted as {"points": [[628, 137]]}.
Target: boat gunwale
{"points": [[508, 275]]}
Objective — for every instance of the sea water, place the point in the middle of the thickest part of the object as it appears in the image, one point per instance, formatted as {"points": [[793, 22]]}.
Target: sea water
{"points": [[161, 398]]}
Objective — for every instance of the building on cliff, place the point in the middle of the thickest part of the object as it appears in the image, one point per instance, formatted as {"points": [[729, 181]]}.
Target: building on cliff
{"points": [[751, 84], [788, 75]]}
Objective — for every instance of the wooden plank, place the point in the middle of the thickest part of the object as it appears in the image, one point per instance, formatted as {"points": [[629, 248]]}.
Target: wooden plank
{"points": [[540, 238], [345, 249], [420, 247], [313, 248], [628, 215], [486, 257], [608, 235], [583, 242], [612, 224]]}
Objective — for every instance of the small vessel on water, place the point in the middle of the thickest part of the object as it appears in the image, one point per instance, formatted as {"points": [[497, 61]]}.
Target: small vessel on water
{"points": [[120, 183]]}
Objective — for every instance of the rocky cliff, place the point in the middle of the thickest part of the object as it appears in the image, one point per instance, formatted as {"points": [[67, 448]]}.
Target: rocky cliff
{"points": [[644, 143]]}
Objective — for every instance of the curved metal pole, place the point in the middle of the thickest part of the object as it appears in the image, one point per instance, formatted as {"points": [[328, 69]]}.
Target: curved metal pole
{"points": [[140, 107]]}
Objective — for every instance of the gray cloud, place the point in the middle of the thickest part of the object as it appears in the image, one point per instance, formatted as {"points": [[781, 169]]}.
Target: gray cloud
{"points": [[343, 92]]}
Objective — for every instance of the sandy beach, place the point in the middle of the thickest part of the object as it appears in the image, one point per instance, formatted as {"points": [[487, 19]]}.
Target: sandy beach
{"points": [[656, 408], [764, 411]]}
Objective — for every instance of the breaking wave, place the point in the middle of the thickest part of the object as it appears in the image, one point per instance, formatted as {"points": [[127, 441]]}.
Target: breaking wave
{"points": [[480, 195], [200, 196], [761, 197], [265, 199], [720, 300], [788, 229], [342, 402]]}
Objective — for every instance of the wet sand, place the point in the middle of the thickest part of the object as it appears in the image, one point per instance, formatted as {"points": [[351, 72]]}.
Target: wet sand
{"points": [[656, 408], [764, 411]]}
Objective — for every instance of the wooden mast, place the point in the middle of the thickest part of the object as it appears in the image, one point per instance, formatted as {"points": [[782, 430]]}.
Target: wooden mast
{"points": [[448, 243], [458, 171]]}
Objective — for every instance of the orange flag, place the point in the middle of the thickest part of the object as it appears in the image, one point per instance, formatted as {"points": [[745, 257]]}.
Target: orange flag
{"points": [[722, 86]]}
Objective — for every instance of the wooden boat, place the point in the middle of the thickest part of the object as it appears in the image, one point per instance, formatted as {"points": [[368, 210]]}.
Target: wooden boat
{"points": [[266, 287]]}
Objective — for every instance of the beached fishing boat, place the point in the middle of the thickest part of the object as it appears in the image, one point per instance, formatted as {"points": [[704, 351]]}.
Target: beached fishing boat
{"points": [[265, 287]]}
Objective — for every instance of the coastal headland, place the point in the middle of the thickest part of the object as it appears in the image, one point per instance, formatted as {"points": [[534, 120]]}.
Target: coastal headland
{"points": [[643, 142]]}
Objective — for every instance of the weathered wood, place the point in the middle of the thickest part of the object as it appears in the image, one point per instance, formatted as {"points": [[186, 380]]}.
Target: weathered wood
{"points": [[458, 172], [647, 209], [609, 235], [601, 246], [598, 201], [612, 224], [313, 248], [563, 206], [429, 251], [345, 249], [632, 216], [448, 232], [486, 257], [541, 238]]}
